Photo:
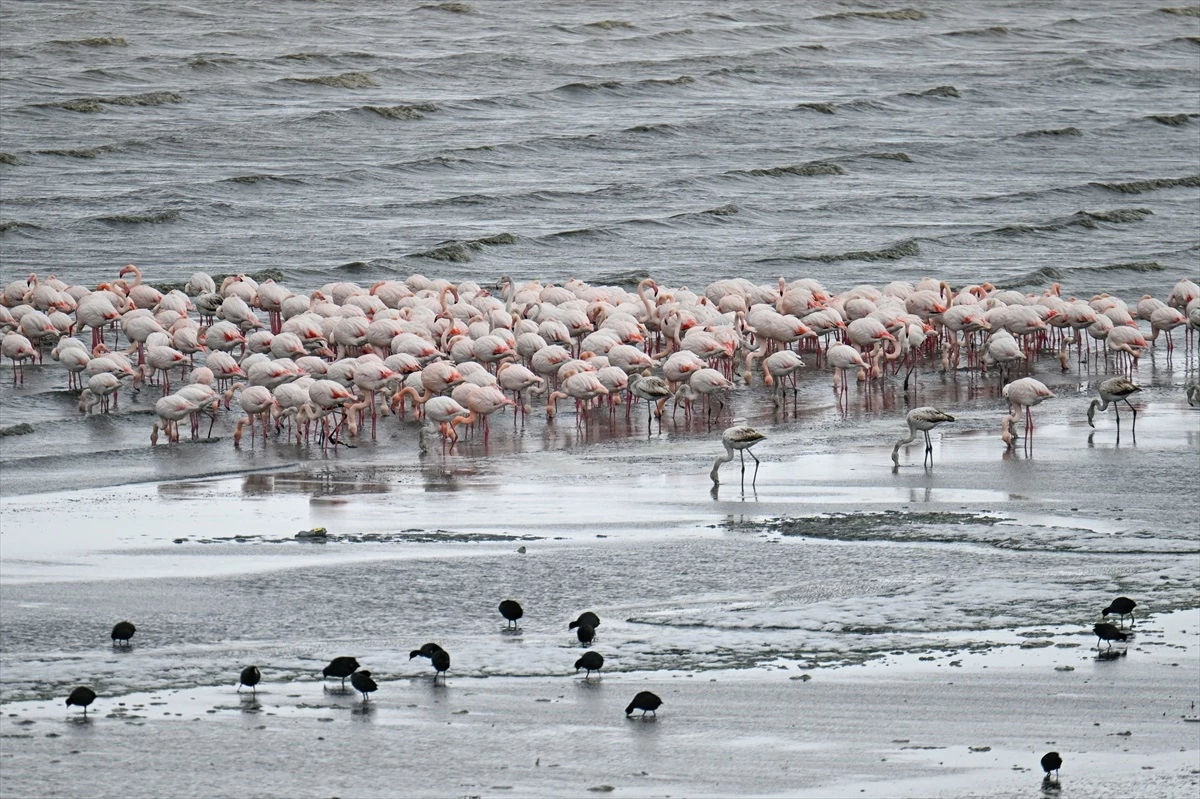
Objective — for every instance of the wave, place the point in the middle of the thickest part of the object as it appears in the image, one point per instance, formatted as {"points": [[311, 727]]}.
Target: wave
{"points": [[824, 108], [460, 251], [302, 56], [660, 127], [804, 170], [1084, 219], [610, 24], [1132, 266], [729, 209], [347, 80], [94, 41], [936, 91], [13, 224], [579, 233], [151, 218], [1184, 11], [452, 8], [898, 156], [261, 178], [903, 14], [9, 159], [1151, 184], [22, 429], [903, 249], [82, 152], [91, 105], [1171, 119], [402, 112], [1038, 277], [995, 30], [612, 85], [1037, 134]]}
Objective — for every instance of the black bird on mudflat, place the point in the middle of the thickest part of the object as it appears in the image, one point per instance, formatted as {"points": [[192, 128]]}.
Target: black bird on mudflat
{"points": [[1108, 632], [645, 702], [1051, 762], [511, 610], [1124, 606], [250, 677], [588, 618], [441, 664], [585, 633], [592, 661], [426, 651], [340, 667], [82, 696], [362, 682], [122, 632]]}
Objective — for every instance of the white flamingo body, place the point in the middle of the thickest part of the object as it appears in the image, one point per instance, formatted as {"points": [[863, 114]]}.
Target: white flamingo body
{"points": [[1023, 393]]}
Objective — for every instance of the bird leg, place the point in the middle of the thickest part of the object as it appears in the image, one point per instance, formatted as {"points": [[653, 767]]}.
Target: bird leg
{"points": [[755, 477]]}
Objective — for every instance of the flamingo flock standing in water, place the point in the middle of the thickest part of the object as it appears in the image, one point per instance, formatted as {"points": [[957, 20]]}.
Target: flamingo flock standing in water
{"points": [[328, 359]]}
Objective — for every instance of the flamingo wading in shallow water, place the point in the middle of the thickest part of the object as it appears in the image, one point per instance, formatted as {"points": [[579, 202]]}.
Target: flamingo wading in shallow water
{"points": [[741, 439], [923, 419], [1113, 391], [1023, 393]]}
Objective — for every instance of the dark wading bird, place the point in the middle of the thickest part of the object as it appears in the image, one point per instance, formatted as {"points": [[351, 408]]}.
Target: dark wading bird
{"points": [[426, 651], [1124, 606], [511, 610], [592, 661], [362, 682], [441, 664], [82, 696], [1051, 762], [1108, 632], [645, 702], [585, 633], [341, 667], [588, 618], [250, 677], [1112, 392], [740, 439], [923, 419], [121, 633]]}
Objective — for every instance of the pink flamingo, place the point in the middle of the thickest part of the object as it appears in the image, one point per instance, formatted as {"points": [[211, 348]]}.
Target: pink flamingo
{"points": [[1023, 393], [170, 410]]}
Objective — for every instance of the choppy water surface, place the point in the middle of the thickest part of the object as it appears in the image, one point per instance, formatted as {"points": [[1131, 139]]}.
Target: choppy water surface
{"points": [[1011, 141]]}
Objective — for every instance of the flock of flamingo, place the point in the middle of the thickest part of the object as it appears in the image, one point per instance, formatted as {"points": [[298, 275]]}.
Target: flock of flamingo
{"points": [[322, 363]]}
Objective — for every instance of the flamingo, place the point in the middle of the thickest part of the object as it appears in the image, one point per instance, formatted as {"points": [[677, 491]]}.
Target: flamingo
{"points": [[923, 419], [654, 390], [1025, 393], [444, 410], [706, 383], [842, 357], [777, 367], [739, 438], [17, 348], [582, 386], [516, 378], [99, 388], [1112, 391], [258, 402], [170, 410]]}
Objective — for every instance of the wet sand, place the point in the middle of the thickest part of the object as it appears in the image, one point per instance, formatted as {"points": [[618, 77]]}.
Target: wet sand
{"points": [[935, 726], [832, 565]]}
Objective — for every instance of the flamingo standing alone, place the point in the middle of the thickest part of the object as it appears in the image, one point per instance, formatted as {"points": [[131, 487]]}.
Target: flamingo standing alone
{"points": [[923, 419], [739, 438], [1113, 391]]}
